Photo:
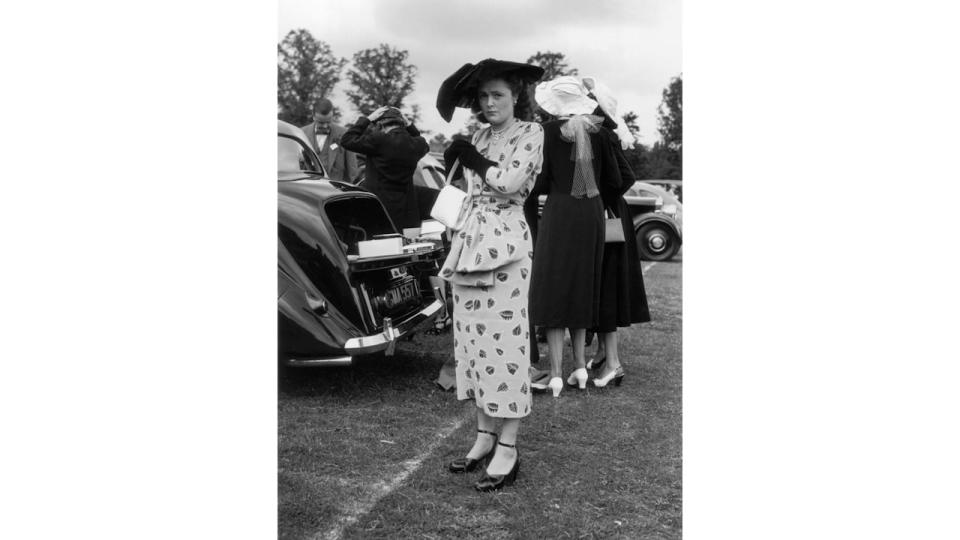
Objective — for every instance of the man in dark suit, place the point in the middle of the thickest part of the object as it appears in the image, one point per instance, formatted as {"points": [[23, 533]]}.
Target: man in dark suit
{"points": [[324, 135]]}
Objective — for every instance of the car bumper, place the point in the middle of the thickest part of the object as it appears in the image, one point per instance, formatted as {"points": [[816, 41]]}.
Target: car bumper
{"points": [[381, 341]]}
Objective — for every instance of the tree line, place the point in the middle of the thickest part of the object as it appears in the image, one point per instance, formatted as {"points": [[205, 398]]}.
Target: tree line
{"points": [[308, 70]]}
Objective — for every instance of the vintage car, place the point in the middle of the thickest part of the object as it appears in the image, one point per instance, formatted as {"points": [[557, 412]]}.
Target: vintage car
{"points": [[332, 303], [657, 221], [673, 187]]}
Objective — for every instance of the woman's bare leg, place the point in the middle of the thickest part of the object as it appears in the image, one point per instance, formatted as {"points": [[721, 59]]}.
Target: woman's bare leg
{"points": [[578, 338], [505, 457], [484, 442], [555, 350]]}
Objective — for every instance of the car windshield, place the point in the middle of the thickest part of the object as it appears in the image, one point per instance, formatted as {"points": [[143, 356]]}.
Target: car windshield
{"points": [[293, 156]]}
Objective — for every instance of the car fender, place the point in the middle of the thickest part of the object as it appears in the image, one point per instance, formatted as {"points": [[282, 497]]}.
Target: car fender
{"points": [[643, 219], [310, 321]]}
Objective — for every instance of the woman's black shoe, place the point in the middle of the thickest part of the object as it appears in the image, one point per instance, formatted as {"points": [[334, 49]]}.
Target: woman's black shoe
{"points": [[465, 464], [597, 361], [616, 376], [492, 483]]}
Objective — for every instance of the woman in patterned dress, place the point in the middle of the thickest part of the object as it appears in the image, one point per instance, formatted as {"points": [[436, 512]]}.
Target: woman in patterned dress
{"points": [[490, 260]]}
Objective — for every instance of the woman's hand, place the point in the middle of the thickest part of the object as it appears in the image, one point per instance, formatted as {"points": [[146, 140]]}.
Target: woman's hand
{"points": [[454, 150], [375, 115], [469, 157]]}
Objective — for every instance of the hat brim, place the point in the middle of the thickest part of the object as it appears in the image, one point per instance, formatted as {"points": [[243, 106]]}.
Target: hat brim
{"points": [[603, 96], [459, 89], [553, 104]]}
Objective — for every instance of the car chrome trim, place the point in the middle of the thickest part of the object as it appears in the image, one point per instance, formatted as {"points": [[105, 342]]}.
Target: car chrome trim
{"points": [[368, 303], [389, 331], [392, 331], [320, 362]]}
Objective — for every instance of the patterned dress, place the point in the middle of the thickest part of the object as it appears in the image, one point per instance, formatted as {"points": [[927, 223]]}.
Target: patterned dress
{"points": [[489, 267]]}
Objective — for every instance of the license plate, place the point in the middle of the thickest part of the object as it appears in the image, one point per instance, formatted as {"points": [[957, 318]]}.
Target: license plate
{"points": [[401, 293]]}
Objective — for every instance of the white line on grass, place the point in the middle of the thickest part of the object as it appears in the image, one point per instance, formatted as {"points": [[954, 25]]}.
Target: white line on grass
{"points": [[384, 488], [381, 489]]}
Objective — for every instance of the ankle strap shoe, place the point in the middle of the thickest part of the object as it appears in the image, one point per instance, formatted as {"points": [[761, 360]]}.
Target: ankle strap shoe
{"points": [[491, 482], [467, 464]]}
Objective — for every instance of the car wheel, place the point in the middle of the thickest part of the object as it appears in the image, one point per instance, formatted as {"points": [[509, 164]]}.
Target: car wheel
{"points": [[657, 242]]}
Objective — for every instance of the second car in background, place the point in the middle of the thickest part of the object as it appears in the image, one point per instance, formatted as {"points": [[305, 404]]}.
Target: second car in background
{"points": [[657, 221]]}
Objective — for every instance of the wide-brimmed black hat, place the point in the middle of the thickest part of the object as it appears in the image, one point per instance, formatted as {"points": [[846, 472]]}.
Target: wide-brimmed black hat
{"points": [[459, 89]]}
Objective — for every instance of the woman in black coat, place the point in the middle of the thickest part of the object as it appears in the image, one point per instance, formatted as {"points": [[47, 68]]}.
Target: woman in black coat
{"points": [[623, 298], [565, 278], [392, 149]]}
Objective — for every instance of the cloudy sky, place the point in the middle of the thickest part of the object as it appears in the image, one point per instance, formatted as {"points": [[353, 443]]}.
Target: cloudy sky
{"points": [[631, 45]]}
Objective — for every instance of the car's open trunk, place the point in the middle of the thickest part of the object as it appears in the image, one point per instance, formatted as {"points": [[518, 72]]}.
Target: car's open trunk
{"points": [[355, 219], [389, 286]]}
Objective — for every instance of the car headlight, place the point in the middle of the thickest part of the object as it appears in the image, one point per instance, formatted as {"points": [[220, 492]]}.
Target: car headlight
{"points": [[670, 209]]}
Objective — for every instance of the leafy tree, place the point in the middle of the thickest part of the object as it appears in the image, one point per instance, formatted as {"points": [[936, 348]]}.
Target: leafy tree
{"points": [[554, 64], [306, 71], [664, 162], [380, 76], [630, 120], [668, 160], [670, 115]]}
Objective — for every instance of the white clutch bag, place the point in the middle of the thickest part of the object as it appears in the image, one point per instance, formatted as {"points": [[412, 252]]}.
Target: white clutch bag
{"points": [[452, 205]]}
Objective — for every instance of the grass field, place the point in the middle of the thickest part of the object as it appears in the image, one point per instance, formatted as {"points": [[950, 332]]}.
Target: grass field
{"points": [[363, 450]]}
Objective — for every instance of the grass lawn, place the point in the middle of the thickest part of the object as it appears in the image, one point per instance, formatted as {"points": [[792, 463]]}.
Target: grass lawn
{"points": [[363, 450]]}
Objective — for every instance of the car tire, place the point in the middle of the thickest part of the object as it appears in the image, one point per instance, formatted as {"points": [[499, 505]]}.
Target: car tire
{"points": [[657, 242]]}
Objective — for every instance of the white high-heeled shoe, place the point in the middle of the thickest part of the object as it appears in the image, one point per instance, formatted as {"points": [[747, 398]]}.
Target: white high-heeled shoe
{"points": [[555, 384], [578, 378]]}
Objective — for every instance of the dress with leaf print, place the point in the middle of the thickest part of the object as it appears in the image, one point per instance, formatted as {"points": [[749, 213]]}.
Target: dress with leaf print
{"points": [[489, 268]]}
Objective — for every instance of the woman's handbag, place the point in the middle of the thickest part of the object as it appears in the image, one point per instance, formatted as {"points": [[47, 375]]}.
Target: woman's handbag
{"points": [[452, 205], [613, 229]]}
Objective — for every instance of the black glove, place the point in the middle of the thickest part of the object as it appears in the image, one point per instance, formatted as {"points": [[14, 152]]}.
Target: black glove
{"points": [[453, 151], [469, 157]]}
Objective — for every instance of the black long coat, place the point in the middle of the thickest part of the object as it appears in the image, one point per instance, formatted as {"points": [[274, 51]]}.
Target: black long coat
{"points": [[391, 161], [568, 239], [623, 298]]}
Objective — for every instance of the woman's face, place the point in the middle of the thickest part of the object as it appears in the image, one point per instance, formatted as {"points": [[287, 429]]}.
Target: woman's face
{"points": [[496, 101]]}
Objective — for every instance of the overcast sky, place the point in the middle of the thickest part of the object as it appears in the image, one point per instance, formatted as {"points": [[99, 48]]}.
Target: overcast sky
{"points": [[631, 45]]}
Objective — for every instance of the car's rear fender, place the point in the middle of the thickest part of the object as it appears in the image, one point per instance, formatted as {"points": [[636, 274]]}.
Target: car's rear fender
{"points": [[653, 217], [309, 324]]}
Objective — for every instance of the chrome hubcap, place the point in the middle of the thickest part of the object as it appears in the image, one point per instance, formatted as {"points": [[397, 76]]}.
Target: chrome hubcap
{"points": [[657, 242]]}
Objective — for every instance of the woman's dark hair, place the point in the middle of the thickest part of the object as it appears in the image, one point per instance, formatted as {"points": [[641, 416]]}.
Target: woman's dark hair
{"points": [[522, 110]]}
